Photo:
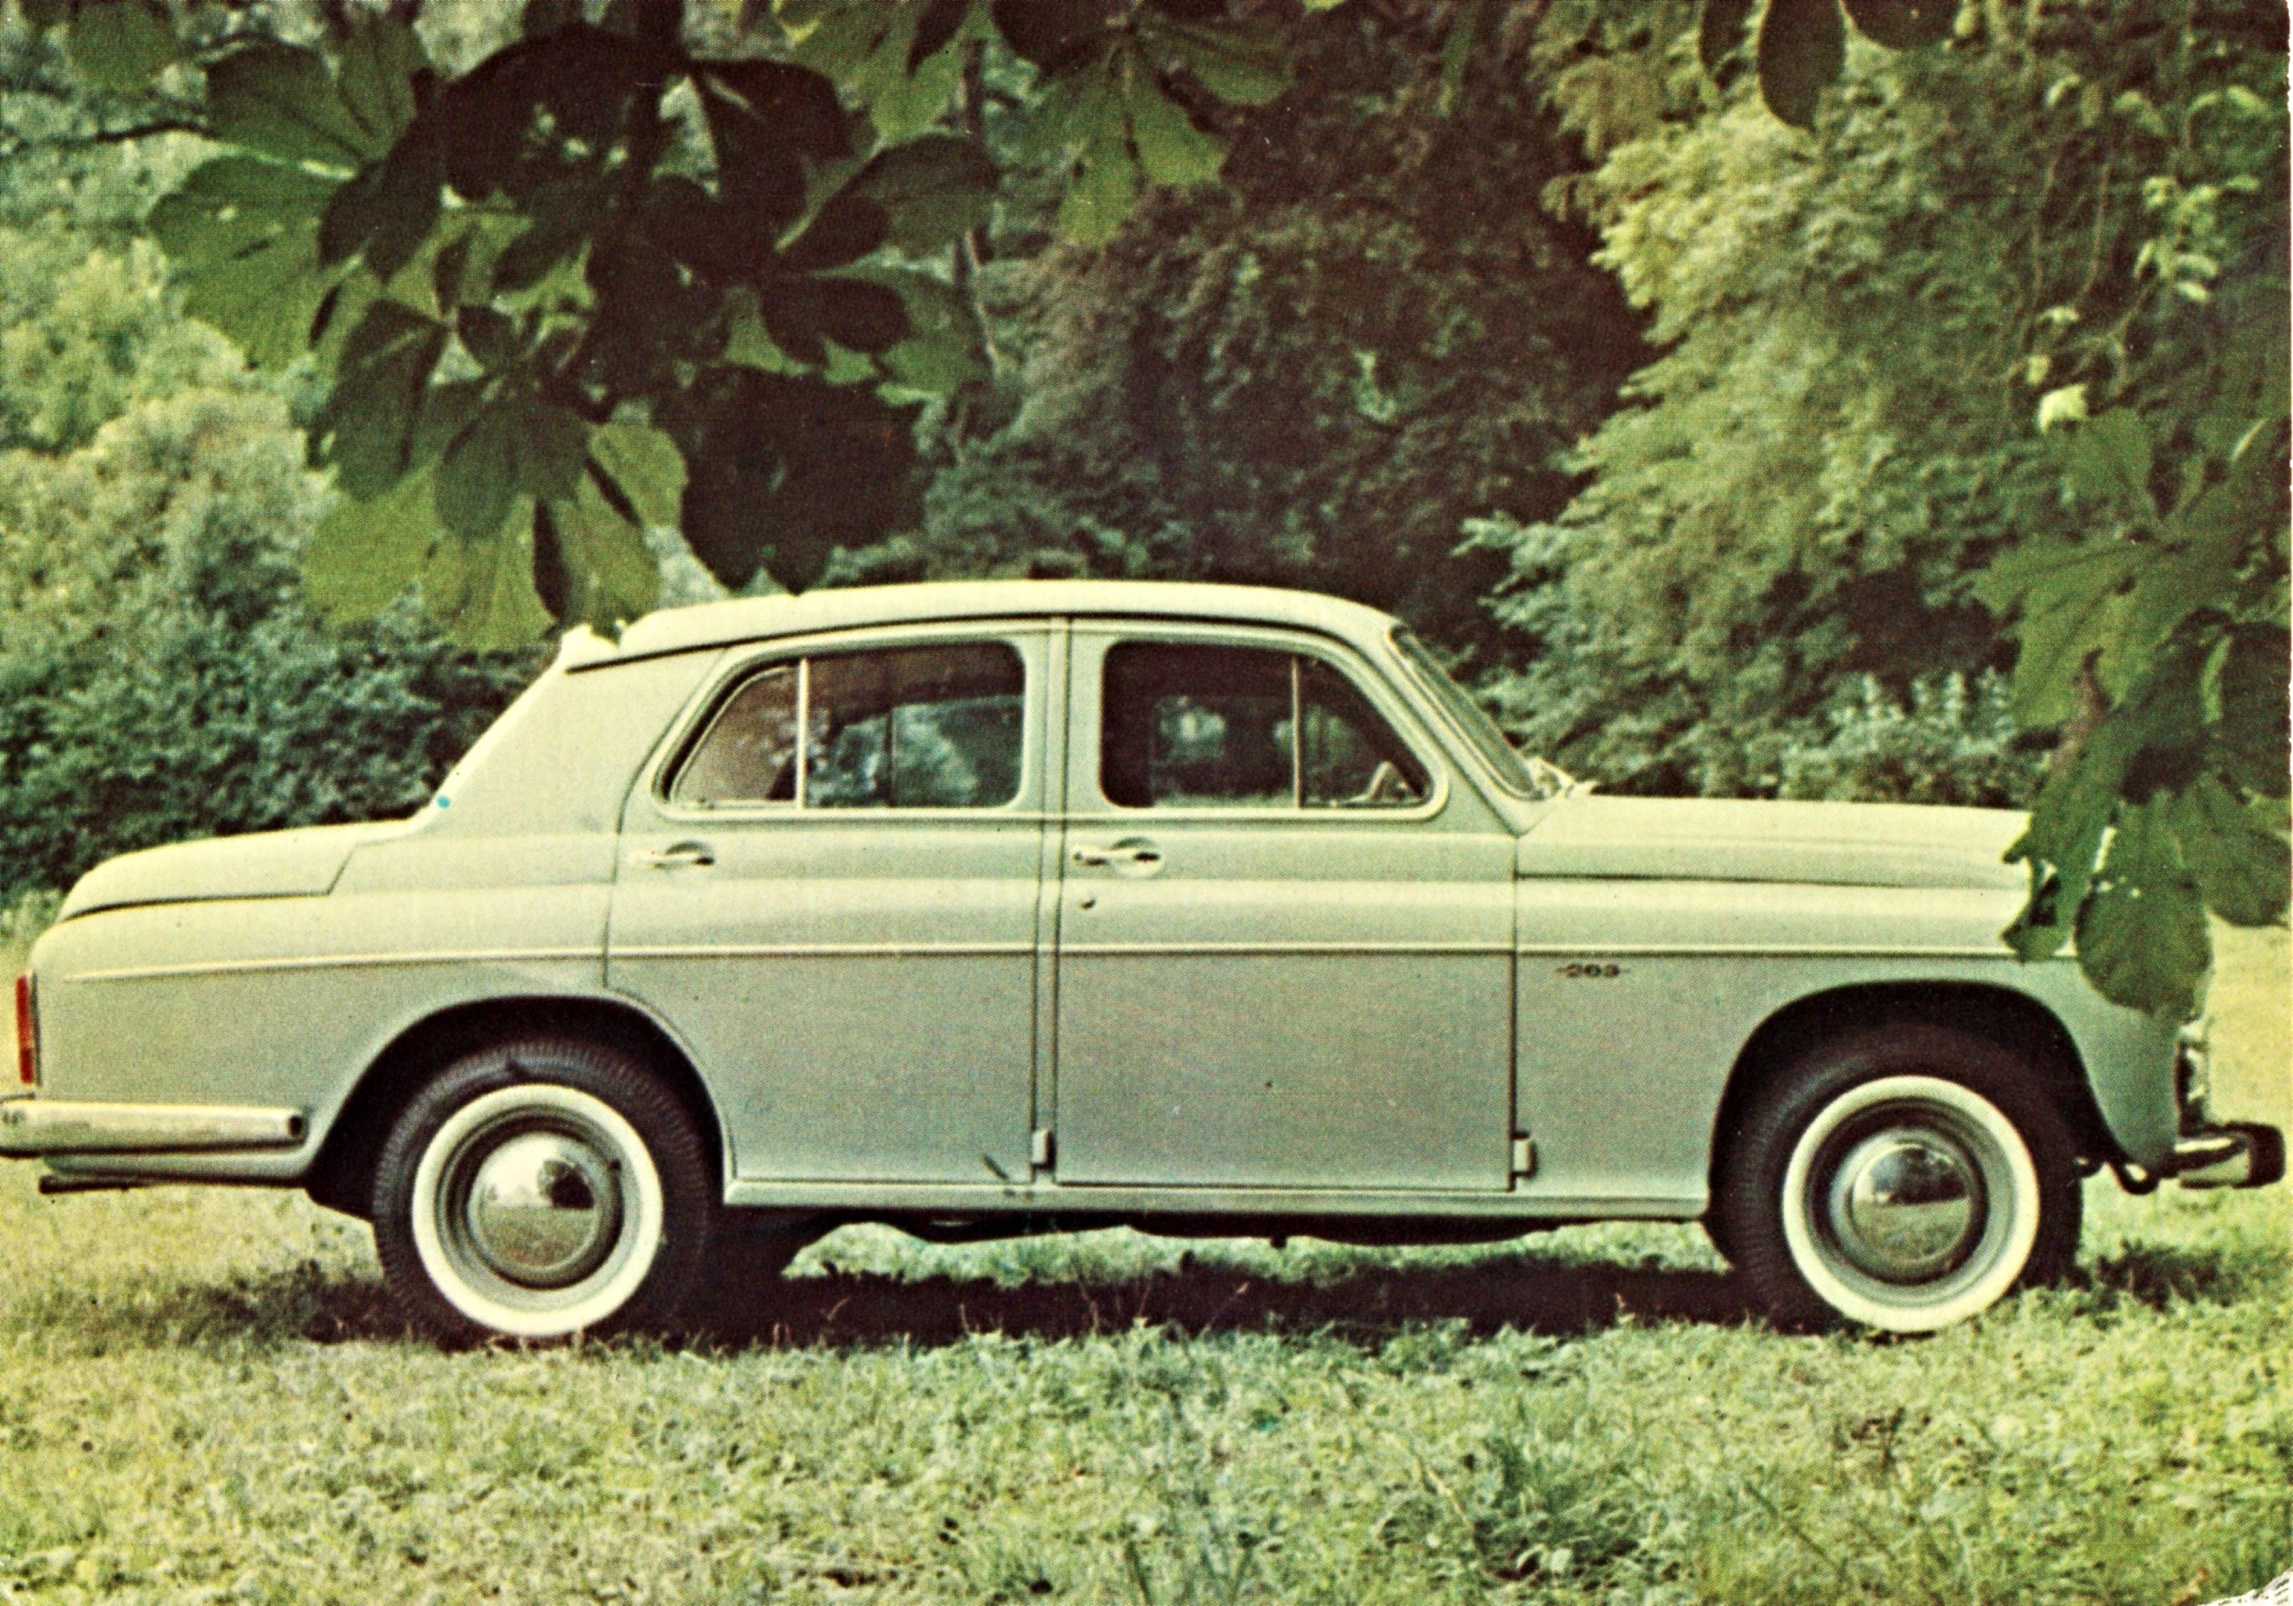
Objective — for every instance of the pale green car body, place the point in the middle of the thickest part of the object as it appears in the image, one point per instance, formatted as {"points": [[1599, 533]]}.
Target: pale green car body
{"points": [[1488, 1006]]}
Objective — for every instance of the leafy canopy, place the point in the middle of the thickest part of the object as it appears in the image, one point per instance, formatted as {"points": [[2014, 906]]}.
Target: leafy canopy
{"points": [[2002, 340], [606, 279]]}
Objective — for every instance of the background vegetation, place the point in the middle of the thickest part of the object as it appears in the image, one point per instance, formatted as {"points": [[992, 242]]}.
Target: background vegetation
{"points": [[1753, 400], [1876, 454]]}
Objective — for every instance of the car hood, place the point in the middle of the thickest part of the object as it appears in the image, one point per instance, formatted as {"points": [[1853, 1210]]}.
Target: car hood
{"points": [[267, 864], [1822, 844]]}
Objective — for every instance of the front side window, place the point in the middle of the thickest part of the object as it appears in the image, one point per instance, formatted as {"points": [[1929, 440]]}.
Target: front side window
{"points": [[935, 727], [1193, 726]]}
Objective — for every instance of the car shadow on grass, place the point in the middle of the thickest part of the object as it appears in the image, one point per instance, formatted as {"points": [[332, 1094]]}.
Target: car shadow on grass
{"points": [[844, 1309], [859, 1310]]}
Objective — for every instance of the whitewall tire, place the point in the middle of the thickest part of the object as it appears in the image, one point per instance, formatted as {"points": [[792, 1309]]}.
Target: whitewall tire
{"points": [[1904, 1181]]}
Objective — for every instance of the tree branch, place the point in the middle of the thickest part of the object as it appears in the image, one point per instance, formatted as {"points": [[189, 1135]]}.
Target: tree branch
{"points": [[21, 144]]}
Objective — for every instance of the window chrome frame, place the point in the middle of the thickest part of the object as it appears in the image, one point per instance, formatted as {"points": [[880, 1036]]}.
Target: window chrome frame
{"points": [[1085, 722], [693, 724]]}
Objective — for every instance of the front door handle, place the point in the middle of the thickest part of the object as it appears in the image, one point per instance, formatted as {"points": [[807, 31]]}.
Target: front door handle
{"points": [[684, 853], [1130, 857]]}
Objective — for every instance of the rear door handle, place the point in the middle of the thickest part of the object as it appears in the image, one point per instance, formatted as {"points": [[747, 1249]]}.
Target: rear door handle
{"points": [[670, 858]]}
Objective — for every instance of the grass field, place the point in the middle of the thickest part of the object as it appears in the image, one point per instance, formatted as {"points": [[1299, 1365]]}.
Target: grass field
{"points": [[205, 1400]]}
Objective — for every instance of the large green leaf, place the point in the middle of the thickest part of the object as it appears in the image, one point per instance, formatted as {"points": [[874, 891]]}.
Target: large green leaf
{"points": [[1171, 150], [1081, 116], [366, 426], [381, 63], [365, 554], [1802, 46], [1904, 24], [515, 446], [2250, 743], [2195, 569], [932, 190], [2070, 596], [645, 469], [786, 469], [243, 237], [2243, 867], [120, 44], [1720, 32], [2064, 838], [2108, 461], [280, 101], [1245, 60], [945, 347], [591, 565], [387, 211], [482, 589], [892, 56], [2142, 936]]}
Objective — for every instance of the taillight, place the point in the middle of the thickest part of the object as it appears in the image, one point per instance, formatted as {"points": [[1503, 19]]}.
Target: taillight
{"points": [[27, 1035]]}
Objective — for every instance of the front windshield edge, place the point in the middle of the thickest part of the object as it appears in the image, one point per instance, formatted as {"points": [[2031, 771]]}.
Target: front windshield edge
{"points": [[1532, 779]]}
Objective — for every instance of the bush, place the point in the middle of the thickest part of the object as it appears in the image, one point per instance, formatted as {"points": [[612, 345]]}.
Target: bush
{"points": [[160, 676], [1953, 744]]}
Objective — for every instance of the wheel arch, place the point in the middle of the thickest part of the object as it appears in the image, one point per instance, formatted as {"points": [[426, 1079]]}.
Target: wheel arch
{"points": [[2013, 1020], [341, 1176]]}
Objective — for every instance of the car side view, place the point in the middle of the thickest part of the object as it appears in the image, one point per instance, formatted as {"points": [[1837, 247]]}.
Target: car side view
{"points": [[1002, 907]]}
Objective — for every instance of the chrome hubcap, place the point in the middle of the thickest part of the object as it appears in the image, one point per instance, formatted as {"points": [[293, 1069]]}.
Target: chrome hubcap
{"points": [[539, 1209], [1906, 1205]]}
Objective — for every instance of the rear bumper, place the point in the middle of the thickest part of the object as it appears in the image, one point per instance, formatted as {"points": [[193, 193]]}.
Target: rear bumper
{"points": [[32, 1128]]}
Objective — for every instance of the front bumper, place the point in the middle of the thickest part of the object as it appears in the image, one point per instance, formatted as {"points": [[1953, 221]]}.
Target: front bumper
{"points": [[2211, 1154], [32, 1128], [2235, 1154]]}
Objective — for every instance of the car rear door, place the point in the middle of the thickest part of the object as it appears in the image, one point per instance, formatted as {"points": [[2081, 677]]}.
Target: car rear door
{"points": [[828, 887]]}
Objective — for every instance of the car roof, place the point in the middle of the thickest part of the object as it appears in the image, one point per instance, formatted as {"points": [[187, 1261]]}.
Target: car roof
{"points": [[720, 624]]}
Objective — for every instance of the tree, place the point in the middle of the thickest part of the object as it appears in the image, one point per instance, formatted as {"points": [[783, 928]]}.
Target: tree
{"points": [[1311, 373], [637, 267], [610, 278], [160, 676], [1891, 355]]}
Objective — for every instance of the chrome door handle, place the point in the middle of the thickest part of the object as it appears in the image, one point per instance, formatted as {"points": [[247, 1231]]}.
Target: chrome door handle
{"points": [[1141, 854], [684, 853]]}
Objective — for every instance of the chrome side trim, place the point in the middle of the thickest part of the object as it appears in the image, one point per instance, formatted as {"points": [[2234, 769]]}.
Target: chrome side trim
{"points": [[31, 1127], [1087, 950], [226, 967], [822, 950], [1755, 950], [1049, 1197]]}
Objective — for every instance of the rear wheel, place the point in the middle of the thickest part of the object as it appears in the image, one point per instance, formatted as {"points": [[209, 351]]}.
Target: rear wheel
{"points": [[540, 1189], [1904, 1179]]}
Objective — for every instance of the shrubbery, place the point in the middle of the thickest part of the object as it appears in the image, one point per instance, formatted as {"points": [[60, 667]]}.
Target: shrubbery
{"points": [[160, 677]]}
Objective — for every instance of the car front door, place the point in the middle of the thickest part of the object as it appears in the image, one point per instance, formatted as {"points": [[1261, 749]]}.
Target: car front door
{"points": [[1285, 942], [829, 888]]}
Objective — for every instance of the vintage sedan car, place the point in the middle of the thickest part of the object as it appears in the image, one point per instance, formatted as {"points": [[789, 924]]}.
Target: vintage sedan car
{"points": [[1005, 907]]}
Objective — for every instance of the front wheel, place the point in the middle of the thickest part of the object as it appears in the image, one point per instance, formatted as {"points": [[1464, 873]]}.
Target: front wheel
{"points": [[1903, 1180], [540, 1189]]}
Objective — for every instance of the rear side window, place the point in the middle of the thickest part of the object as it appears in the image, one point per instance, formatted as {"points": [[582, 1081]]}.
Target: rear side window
{"points": [[1194, 726], [934, 727]]}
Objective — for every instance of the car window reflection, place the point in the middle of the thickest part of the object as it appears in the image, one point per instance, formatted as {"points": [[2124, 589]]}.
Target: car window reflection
{"points": [[920, 727], [1184, 725]]}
